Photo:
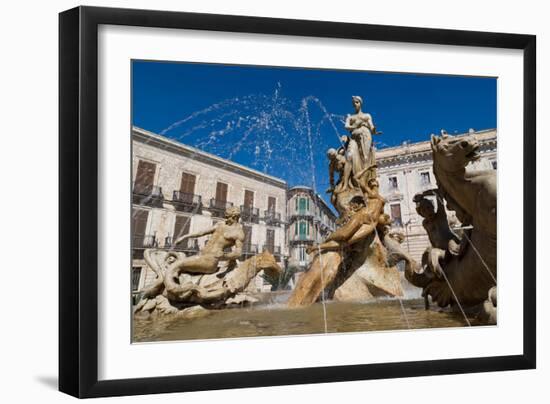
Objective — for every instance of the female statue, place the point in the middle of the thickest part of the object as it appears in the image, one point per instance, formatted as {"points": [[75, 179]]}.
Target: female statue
{"points": [[360, 148]]}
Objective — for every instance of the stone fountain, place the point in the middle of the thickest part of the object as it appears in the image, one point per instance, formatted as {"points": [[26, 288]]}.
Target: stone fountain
{"points": [[358, 261], [460, 269], [188, 286]]}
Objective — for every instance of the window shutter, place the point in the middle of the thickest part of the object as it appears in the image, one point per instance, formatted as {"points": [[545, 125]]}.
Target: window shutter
{"points": [[271, 204], [139, 221], [145, 177], [247, 235], [248, 198], [187, 185], [221, 192], [182, 226], [270, 237]]}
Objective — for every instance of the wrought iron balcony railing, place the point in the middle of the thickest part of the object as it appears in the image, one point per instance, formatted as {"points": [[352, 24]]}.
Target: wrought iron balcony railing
{"points": [[300, 238], [146, 194], [272, 217], [186, 202], [140, 241], [397, 222], [218, 207], [303, 213], [250, 214]]}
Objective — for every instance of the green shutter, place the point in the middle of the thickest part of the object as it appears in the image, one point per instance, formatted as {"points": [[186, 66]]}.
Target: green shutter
{"points": [[303, 229], [303, 205]]}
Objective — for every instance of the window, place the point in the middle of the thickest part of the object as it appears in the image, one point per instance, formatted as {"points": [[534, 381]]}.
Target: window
{"points": [[221, 194], [187, 185], [393, 183], [248, 199], [302, 254], [145, 177], [181, 226], [247, 237], [139, 226], [494, 164], [303, 205], [271, 204], [304, 229], [270, 240], [136, 276], [425, 178], [396, 214]]}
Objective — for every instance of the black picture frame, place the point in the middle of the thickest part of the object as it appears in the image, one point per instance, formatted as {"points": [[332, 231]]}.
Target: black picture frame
{"points": [[78, 196]]}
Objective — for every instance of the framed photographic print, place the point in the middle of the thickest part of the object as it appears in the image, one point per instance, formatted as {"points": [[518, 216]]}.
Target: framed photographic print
{"points": [[251, 201]]}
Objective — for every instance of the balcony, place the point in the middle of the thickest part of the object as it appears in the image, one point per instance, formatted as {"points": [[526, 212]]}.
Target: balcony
{"points": [[187, 202], [218, 207], [273, 249], [301, 239], [272, 218], [250, 214], [142, 241], [324, 227], [188, 246], [396, 222], [394, 193], [250, 249], [146, 194], [302, 214]]}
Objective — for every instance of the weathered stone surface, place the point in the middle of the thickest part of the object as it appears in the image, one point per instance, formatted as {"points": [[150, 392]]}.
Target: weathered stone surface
{"points": [[322, 272], [193, 312], [472, 195], [241, 299], [371, 276], [211, 290], [488, 313], [352, 263]]}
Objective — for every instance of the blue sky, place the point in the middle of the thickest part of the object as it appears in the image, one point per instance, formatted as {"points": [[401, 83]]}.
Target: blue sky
{"points": [[282, 120]]}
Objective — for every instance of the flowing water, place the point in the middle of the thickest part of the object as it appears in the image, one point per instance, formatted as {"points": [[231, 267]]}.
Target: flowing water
{"points": [[277, 319]]}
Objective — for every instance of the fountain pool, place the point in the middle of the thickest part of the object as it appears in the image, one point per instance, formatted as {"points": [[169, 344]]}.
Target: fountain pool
{"points": [[277, 319]]}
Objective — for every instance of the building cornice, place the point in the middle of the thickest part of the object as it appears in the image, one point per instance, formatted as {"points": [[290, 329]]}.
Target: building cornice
{"points": [[422, 151], [161, 142]]}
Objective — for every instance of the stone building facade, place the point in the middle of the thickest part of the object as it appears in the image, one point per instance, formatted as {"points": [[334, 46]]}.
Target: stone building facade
{"points": [[310, 221], [177, 189], [406, 170]]}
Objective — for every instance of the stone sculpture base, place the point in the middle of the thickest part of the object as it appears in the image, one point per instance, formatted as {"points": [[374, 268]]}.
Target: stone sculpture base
{"points": [[371, 277], [358, 274], [225, 288]]}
